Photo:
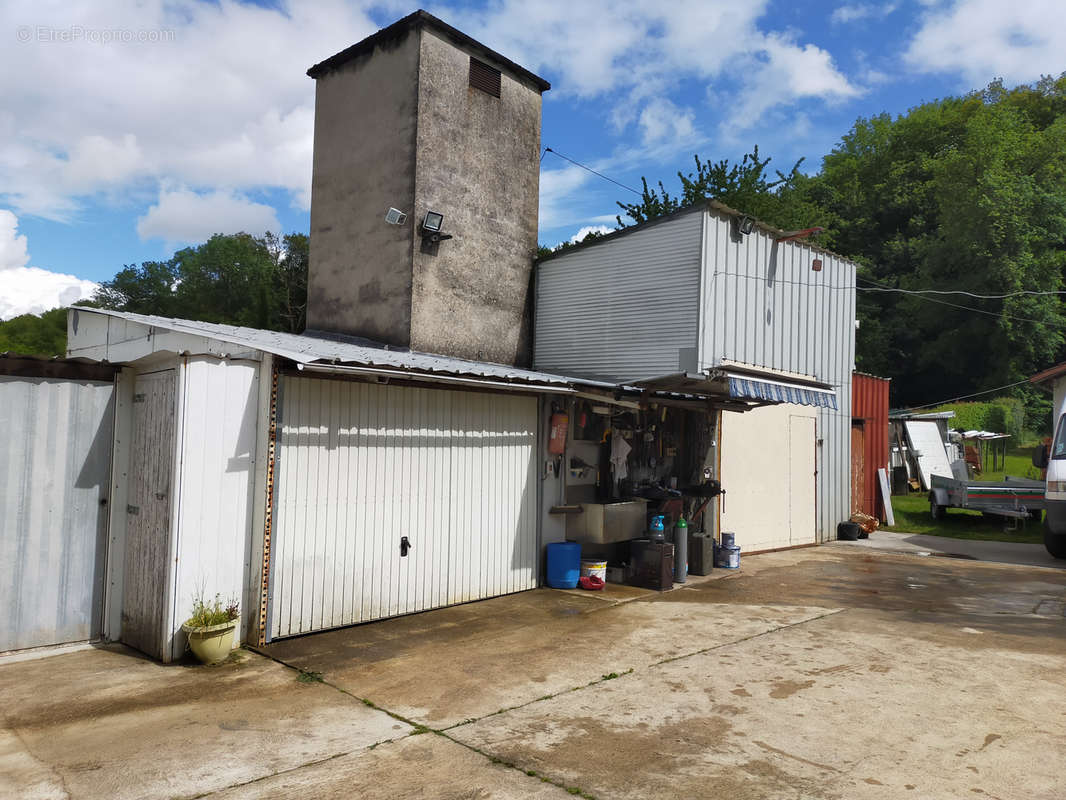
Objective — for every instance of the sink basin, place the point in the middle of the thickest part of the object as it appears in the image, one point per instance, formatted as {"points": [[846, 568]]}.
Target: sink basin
{"points": [[603, 523]]}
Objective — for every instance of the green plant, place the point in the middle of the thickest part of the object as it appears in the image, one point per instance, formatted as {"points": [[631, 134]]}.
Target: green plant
{"points": [[206, 614]]}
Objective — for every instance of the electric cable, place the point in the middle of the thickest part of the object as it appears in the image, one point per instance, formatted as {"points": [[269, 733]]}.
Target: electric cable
{"points": [[967, 396], [594, 172]]}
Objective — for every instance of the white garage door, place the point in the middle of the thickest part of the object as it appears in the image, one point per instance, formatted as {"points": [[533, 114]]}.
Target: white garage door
{"points": [[360, 466]]}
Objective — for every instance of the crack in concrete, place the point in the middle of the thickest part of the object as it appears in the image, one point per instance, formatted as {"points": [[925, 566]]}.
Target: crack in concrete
{"points": [[420, 729]]}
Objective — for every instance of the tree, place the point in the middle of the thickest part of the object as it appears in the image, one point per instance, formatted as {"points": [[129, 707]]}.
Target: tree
{"points": [[745, 186], [29, 334], [237, 279]]}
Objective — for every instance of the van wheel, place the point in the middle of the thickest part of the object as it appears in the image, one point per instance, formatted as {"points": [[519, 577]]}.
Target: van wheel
{"points": [[936, 511], [1055, 544]]}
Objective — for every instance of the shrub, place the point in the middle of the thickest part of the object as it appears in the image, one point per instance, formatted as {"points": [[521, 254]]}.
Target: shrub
{"points": [[999, 415]]}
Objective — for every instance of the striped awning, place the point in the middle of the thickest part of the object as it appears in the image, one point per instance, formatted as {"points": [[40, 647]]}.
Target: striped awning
{"points": [[747, 388]]}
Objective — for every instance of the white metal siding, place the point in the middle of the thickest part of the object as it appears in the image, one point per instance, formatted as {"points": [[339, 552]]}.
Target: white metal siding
{"points": [[766, 307], [216, 457], [359, 465], [621, 310], [53, 476]]}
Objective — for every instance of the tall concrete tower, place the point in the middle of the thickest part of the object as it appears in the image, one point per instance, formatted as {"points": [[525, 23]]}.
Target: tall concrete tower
{"points": [[423, 120]]}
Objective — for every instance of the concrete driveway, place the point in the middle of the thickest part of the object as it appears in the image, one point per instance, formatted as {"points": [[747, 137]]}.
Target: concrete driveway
{"points": [[826, 672]]}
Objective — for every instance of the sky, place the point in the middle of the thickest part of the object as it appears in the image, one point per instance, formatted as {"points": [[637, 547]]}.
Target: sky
{"points": [[131, 128]]}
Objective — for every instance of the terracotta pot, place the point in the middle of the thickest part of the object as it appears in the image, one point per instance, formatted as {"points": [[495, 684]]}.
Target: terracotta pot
{"points": [[212, 643]]}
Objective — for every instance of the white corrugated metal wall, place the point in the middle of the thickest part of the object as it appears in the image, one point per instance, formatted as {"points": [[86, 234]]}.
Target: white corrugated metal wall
{"points": [[624, 308], [53, 522], [360, 465], [767, 307], [217, 418], [630, 307]]}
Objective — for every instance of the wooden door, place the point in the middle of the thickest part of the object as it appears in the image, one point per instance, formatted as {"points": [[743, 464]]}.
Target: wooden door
{"points": [[858, 469], [148, 514]]}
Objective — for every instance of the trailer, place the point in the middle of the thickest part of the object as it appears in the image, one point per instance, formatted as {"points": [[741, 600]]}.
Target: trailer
{"points": [[1015, 498]]}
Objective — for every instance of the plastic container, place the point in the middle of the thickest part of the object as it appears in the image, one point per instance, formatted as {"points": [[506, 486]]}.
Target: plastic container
{"points": [[564, 564], [729, 539], [657, 532], [594, 567], [727, 557]]}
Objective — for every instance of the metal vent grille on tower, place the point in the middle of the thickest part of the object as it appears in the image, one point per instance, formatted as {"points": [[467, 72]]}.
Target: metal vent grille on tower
{"points": [[484, 77]]}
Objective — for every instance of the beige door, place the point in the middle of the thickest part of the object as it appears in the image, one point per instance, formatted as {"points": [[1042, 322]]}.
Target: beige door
{"points": [[802, 479]]}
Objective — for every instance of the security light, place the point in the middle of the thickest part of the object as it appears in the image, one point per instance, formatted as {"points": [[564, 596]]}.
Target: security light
{"points": [[746, 224], [432, 222], [395, 217]]}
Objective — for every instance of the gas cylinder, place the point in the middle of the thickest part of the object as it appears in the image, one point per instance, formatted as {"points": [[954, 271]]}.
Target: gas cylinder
{"points": [[557, 440], [680, 551]]}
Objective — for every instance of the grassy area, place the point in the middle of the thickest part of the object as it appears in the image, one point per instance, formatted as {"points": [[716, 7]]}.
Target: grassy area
{"points": [[912, 511]]}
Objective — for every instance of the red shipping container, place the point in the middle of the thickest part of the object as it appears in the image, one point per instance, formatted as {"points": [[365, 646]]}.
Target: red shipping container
{"points": [[869, 442]]}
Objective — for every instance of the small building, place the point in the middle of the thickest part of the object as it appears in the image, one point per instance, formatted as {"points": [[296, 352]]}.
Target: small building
{"points": [[709, 301]]}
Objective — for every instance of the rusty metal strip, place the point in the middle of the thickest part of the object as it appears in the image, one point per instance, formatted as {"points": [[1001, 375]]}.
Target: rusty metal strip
{"points": [[264, 594]]}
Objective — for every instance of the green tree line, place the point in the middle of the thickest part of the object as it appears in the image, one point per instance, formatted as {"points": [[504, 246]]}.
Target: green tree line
{"points": [[237, 279], [966, 193]]}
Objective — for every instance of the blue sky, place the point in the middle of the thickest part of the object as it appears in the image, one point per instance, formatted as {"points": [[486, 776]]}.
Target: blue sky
{"points": [[129, 129]]}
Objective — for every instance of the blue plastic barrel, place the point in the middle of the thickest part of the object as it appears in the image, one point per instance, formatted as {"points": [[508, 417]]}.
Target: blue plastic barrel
{"points": [[564, 564]]}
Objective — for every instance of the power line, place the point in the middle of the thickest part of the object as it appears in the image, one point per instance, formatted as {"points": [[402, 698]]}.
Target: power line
{"points": [[590, 169], [967, 396], [964, 308], [956, 291]]}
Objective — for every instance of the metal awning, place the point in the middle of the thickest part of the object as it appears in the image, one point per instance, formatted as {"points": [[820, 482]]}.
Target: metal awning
{"points": [[746, 387]]}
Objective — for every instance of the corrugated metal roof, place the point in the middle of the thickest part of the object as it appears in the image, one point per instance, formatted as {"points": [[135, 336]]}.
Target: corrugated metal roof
{"points": [[323, 348]]}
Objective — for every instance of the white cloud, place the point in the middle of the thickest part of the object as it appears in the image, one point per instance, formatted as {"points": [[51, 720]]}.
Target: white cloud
{"points": [[852, 12], [13, 248], [581, 234], [788, 73], [184, 216], [640, 50], [558, 189], [663, 122], [222, 101], [30, 290], [985, 39]]}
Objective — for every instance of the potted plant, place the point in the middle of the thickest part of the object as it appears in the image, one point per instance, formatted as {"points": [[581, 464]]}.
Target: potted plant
{"points": [[210, 629]]}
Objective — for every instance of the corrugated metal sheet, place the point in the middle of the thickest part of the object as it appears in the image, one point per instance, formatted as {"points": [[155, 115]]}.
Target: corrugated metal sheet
{"points": [[53, 529], [870, 404], [360, 465], [764, 305], [621, 310], [216, 452], [315, 347]]}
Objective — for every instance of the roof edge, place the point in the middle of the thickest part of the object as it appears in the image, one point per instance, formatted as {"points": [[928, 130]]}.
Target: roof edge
{"points": [[420, 19]]}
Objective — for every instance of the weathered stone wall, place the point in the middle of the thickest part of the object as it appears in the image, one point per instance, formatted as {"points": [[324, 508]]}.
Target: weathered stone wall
{"points": [[477, 163], [364, 162]]}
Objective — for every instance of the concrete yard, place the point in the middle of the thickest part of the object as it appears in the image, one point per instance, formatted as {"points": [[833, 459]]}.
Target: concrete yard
{"points": [[828, 672]]}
